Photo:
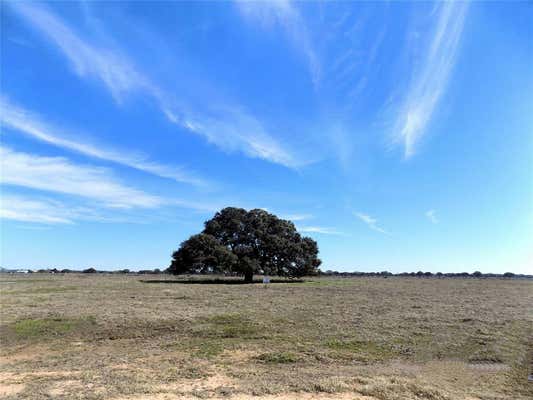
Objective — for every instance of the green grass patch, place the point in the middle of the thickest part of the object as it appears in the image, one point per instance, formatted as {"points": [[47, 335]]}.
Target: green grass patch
{"points": [[22, 281], [277, 358], [360, 349], [226, 319], [230, 326], [46, 290], [193, 372], [209, 349], [200, 347], [330, 282], [41, 290], [49, 327]]}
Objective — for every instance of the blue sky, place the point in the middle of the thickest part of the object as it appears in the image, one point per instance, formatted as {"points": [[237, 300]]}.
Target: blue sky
{"points": [[398, 135]]}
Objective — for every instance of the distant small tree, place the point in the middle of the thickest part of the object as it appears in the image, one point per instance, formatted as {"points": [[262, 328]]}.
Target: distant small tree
{"points": [[89, 271], [508, 275], [477, 274]]}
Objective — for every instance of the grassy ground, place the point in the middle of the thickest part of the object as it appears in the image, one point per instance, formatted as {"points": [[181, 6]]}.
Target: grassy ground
{"points": [[90, 336]]}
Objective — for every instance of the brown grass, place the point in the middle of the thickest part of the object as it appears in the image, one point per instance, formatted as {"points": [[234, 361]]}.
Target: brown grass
{"points": [[82, 336]]}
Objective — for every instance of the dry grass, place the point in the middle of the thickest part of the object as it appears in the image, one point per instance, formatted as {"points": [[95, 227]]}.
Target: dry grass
{"points": [[117, 337]]}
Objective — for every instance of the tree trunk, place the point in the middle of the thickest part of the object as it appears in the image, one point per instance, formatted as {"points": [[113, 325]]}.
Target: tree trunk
{"points": [[248, 277]]}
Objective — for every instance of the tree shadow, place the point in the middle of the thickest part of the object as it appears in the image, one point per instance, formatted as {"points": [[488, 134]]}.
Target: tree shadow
{"points": [[218, 281]]}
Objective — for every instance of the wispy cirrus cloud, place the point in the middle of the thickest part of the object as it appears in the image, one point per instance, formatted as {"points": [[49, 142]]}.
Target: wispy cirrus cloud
{"points": [[99, 186], [59, 175], [110, 66], [287, 15], [231, 127], [431, 74], [370, 222], [318, 229], [49, 211], [296, 217], [21, 208], [26, 122], [431, 215]]}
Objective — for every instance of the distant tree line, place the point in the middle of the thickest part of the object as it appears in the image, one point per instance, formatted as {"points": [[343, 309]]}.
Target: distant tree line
{"points": [[82, 271], [427, 274], [385, 274]]}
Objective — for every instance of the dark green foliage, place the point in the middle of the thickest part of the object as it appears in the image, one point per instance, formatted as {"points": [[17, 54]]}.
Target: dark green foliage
{"points": [[243, 242], [202, 254]]}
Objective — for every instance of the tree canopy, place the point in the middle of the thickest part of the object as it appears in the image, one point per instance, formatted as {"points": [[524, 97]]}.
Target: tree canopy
{"points": [[244, 242]]}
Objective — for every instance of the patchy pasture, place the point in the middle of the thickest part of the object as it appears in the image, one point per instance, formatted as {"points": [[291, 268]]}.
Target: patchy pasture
{"points": [[128, 337]]}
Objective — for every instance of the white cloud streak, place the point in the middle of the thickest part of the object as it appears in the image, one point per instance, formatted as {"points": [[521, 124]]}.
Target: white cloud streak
{"points": [[287, 15], [318, 229], [296, 217], [430, 214], [47, 211], [370, 222], [60, 176], [23, 121], [232, 131], [36, 209], [19, 208], [429, 80], [57, 174], [109, 66]]}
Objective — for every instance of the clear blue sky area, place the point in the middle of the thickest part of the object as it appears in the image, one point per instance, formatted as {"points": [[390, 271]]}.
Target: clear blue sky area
{"points": [[398, 135]]}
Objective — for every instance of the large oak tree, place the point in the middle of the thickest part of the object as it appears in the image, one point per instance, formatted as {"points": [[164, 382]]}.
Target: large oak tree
{"points": [[246, 243]]}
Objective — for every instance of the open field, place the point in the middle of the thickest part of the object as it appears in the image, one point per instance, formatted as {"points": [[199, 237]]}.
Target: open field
{"points": [[88, 336]]}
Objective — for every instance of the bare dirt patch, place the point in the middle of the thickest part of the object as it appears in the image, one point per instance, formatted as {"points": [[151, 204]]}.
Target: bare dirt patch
{"points": [[64, 386], [10, 389]]}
